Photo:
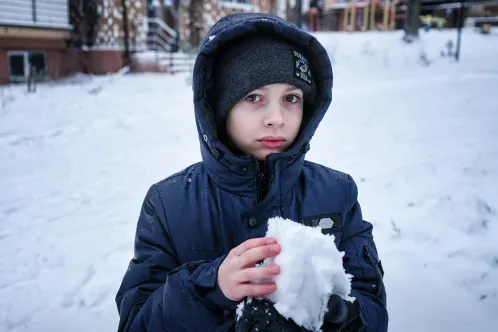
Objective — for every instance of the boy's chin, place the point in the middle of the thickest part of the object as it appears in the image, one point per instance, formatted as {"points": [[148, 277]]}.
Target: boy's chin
{"points": [[262, 154]]}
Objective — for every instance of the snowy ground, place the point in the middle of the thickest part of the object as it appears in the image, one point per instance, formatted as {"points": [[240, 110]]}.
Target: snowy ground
{"points": [[77, 157]]}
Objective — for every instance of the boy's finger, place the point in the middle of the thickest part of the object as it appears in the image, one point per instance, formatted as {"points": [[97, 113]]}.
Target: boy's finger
{"points": [[257, 289], [250, 244], [257, 273], [254, 255]]}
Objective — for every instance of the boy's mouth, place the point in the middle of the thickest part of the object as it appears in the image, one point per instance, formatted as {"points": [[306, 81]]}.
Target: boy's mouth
{"points": [[272, 141]]}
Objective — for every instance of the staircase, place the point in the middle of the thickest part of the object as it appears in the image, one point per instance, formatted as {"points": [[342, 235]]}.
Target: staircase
{"points": [[163, 41], [160, 36]]}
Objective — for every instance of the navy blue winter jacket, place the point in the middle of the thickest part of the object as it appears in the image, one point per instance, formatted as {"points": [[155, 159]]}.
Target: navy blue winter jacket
{"points": [[191, 220]]}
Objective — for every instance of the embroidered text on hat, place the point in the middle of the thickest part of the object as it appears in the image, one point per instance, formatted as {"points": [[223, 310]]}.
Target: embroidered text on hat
{"points": [[302, 68]]}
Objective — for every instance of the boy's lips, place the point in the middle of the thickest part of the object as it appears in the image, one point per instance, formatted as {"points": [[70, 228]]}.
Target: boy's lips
{"points": [[272, 141]]}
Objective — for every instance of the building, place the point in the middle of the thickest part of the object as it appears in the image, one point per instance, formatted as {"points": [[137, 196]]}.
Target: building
{"points": [[198, 16], [188, 21], [33, 37], [104, 35], [54, 38]]}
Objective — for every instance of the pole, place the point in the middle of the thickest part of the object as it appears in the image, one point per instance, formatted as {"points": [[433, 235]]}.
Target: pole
{"points": [[126, 34], [299, 14], [353, 16], [393, 15], [345, 22], [372, 15], [365, 16], [33, 9], [176, 45], [386, 15], [459, 38]]}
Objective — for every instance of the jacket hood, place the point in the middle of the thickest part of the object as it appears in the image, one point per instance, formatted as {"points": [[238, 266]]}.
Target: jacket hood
{"points": [[232, 171]]}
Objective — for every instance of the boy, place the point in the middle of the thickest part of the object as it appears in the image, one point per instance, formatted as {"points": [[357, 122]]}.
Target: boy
{"points": [[261, 87]]}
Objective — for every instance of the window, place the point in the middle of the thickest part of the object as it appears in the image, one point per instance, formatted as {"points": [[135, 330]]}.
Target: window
{"points": [[20, 64], [16, 65], [37, 59]]}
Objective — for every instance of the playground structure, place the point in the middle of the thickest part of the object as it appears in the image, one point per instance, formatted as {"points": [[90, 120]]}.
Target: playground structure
{"points": [[387, 15], [387, 10], [433, 21]]}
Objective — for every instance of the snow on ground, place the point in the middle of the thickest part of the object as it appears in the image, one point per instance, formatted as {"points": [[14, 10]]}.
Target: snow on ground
{"points": [[77, 157]]}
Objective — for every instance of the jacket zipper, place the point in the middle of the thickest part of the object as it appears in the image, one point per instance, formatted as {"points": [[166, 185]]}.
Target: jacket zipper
{"points": [[263, 176], [265, 183], [256, 179], [260, 178], [370, 260]]}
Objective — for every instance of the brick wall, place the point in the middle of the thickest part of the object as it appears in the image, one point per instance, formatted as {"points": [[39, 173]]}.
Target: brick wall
{"points": [[105, 61], [111, 30], [213, 10]]}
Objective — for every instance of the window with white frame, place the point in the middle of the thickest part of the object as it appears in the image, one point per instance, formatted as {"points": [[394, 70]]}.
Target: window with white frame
{"points": [[22, 64]]}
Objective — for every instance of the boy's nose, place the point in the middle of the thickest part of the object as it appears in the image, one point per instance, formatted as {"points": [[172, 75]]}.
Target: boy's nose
{"points": [[274, 117]]}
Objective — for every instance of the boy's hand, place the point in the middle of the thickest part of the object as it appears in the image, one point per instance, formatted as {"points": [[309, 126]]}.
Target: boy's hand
{"points": [[237, 270]]}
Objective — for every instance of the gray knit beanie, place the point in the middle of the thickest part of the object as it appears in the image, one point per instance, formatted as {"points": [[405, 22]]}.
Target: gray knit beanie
{"points": [[247, 64]]}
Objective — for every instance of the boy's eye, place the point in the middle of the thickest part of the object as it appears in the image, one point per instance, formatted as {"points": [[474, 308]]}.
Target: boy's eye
{"points": [[292, 99], [253, 98]]}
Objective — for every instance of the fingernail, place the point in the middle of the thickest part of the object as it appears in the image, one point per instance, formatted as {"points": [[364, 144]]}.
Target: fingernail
{"points": [[274, 248], [270, 241], [275, 269]]}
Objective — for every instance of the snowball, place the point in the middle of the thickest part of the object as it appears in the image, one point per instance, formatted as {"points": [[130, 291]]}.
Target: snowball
{"points": [[311, 270]]}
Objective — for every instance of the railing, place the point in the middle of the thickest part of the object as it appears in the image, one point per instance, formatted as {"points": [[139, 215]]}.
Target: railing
{"points": [[160, 36], [163, 40]]}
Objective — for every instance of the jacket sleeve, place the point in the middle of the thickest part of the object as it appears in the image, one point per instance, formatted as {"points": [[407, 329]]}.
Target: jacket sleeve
{"points": [[158, 294], [368, 313]]}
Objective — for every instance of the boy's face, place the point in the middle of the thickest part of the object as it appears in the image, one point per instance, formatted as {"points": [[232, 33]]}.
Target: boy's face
{"points": [[267, 120]]}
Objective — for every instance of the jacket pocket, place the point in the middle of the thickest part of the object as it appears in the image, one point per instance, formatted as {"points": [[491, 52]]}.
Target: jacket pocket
{"points": [[379, 271]]}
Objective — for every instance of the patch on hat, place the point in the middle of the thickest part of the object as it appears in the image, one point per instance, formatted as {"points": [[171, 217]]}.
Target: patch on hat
{"points": [[302, 67]]}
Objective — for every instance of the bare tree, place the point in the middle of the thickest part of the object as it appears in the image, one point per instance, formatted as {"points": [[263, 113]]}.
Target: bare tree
{"points": [[84, 16], [76, 20], [196, 21], [92, 17]]}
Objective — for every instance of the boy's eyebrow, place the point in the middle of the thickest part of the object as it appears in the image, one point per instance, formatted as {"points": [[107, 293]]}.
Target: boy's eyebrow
{"points": [[291, 88]]}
